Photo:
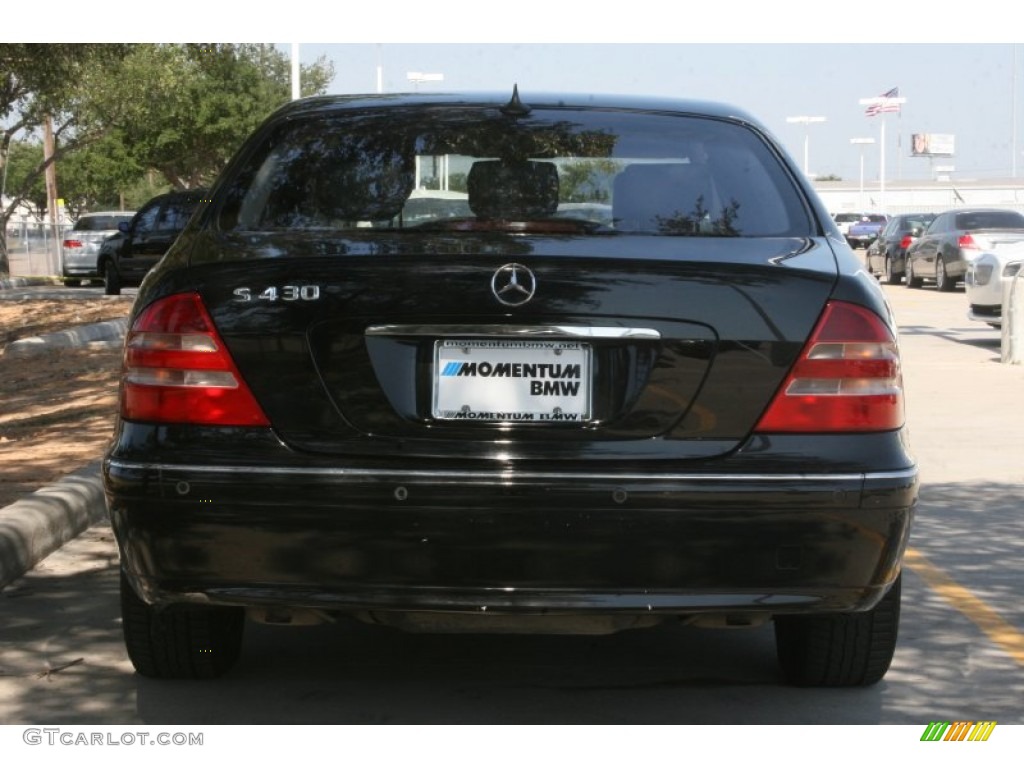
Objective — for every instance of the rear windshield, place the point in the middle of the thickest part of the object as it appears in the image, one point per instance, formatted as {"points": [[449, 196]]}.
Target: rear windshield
{"points": [[917, 222], [990, 220], [100, 223], [558, 171], [175, 214]]}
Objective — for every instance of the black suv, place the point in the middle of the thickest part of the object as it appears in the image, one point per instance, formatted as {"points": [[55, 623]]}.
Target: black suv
{"points": [[126, 258]]}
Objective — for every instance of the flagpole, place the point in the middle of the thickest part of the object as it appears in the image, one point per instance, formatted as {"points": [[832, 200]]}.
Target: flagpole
{"points": [[887, 102], [881, 170], [1013, 115], [899, 145]]}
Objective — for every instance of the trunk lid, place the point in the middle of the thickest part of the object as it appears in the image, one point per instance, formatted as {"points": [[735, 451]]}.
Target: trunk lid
{"points": [[628, 347]]}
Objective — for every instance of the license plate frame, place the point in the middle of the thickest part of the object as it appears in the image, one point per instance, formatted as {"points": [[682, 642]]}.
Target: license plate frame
{"points": [[535, 381]]}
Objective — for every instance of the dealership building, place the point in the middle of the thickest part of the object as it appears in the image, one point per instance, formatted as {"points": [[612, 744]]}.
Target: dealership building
{"points": [[921, 195]]}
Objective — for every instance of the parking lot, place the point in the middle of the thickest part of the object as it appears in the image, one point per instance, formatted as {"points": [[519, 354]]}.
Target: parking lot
{"points": [[961, 655]]}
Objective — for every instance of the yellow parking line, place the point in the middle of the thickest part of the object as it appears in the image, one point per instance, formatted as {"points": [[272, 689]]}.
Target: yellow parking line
{"points": [[1007, 637]]}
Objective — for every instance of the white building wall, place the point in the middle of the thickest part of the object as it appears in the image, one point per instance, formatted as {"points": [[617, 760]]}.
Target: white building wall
{"points": [[936, 196]]}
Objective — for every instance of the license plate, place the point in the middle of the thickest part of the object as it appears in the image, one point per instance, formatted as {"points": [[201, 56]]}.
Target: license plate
{"points": [[533, 381]]}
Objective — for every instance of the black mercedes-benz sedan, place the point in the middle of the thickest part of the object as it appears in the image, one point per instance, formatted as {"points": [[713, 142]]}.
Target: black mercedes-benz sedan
{"points": [[494, 363]]}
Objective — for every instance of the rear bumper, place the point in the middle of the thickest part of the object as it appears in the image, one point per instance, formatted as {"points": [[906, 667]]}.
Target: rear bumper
{"points": [[509, 542], [81, 262], [861, 241], [986, 313], [80, 268]]}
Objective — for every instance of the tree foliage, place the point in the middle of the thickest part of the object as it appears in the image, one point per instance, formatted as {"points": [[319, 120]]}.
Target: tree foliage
{"points": [[123, 111], [201, 102], [37, 82], [586, 181]]}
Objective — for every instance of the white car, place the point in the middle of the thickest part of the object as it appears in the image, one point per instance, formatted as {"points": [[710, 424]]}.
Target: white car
{"points": [[985, 280], [81, 245], [846, 219]]}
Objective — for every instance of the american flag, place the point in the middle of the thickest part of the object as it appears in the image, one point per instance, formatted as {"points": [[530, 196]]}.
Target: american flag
{"points": [[874, 109]]}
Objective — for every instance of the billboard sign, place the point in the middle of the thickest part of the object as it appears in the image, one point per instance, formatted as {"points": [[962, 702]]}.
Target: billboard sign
{"points": [[932, 144]]}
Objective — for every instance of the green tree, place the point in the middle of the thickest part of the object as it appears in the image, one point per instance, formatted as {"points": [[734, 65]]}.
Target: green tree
{"points": [[586, 181], [201, 102], [123, 110], [23, 160], [38, 82], [97, 176]]}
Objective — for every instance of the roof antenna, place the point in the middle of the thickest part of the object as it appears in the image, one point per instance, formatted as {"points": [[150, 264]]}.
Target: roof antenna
{"points": [[515, 107]]}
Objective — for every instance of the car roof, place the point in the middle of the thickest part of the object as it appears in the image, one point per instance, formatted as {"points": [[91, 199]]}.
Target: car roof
{"points": [[179, 194], [497, 99]]}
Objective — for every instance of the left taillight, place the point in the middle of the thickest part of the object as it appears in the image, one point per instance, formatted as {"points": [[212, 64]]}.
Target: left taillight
{"points": [[966, 242], [177, 370], [847, 378]]}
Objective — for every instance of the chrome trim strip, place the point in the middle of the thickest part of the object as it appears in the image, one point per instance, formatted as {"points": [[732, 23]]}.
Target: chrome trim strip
{"points": [[491, 476], [516, 331]]}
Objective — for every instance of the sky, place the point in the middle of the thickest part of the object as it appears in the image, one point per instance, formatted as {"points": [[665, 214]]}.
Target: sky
{"points": [[960, 70], [961, 89]]}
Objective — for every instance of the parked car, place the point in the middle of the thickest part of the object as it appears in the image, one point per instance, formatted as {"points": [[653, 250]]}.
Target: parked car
{"points": [[985, 282], [514, 418], [954, 239], [845, 220], [81, 244], [886, 254], [862, 233], [126, 257]]}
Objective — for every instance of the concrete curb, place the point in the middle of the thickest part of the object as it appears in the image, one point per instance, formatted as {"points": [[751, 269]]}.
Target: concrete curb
{"points": [[37, 525], [40, 523], [79, 336], [8, 283]]}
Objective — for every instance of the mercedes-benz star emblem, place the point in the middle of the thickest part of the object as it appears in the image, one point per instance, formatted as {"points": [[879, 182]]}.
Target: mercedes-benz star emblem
{"points": [[513, 284]]}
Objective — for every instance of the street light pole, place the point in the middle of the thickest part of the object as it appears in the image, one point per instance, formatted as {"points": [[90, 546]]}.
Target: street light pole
{"points": [[862, 143], [806, 120]]}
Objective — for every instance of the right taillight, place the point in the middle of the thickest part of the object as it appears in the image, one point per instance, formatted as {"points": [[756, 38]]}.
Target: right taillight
{"points": [[906, 241], [847, 378], [177, 369]]}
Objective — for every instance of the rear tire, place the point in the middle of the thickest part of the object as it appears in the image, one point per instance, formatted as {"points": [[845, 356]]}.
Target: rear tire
{"points": [[840, 650], [111, 279], [188, 642], [943, 281], [891, 278], [910, 280]]}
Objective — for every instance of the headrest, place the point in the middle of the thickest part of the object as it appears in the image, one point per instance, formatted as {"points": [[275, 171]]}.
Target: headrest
{"points": [[655, 197], [375, 186], [515, 191]]}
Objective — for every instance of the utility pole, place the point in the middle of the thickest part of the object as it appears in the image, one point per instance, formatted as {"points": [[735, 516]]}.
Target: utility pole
{"points": [[49, 150]]}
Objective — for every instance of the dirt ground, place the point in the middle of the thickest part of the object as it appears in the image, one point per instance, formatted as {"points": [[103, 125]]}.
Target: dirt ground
{"points": [[56, 408]]}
